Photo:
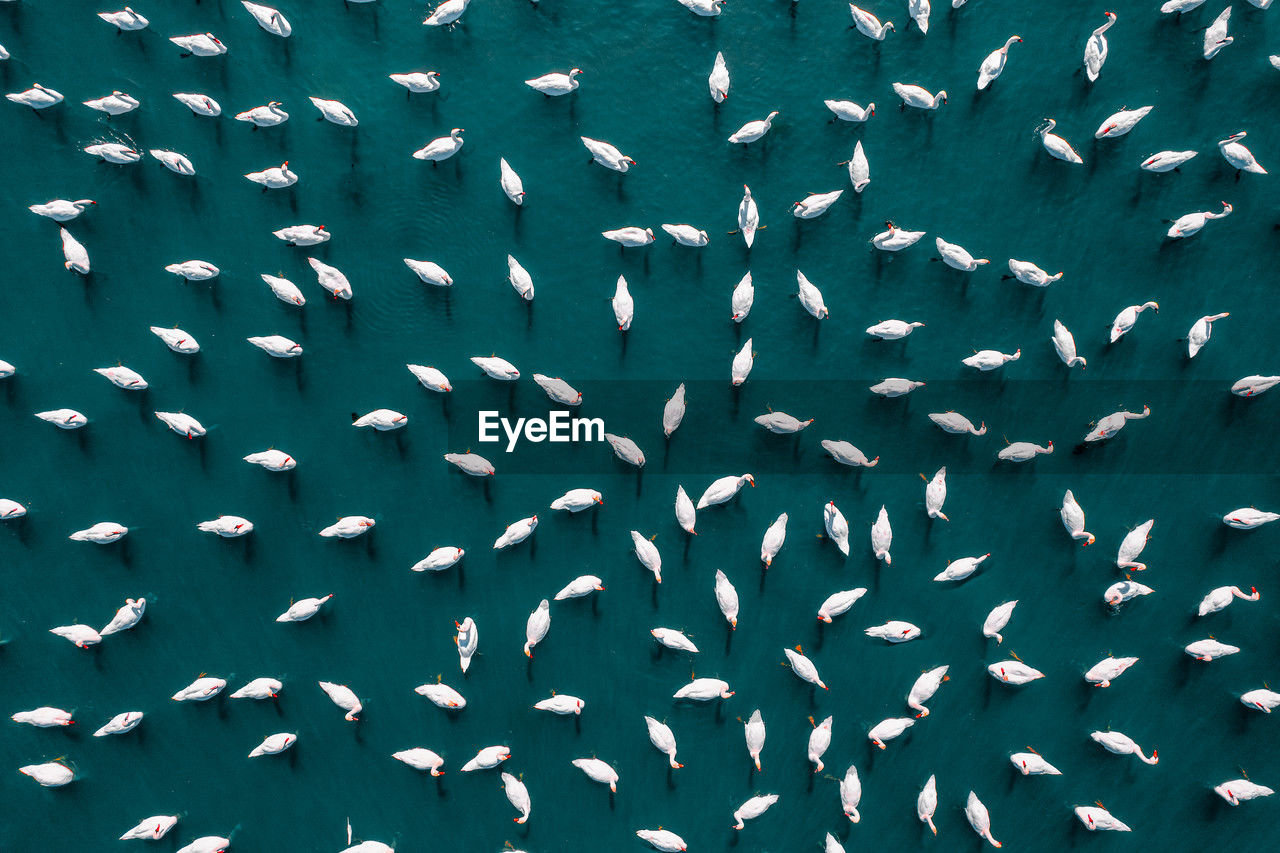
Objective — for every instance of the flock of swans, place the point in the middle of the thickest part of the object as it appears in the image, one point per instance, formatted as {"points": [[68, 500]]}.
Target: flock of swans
{"points": [[1012, 671]]}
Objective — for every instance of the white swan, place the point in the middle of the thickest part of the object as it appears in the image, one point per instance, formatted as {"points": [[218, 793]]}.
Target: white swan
{"points": [[555, 83], [418, 81], [1200, 331], [919, 97], [335, 111], [993, 65], [1055, 144], [1120, 123], [201, 105], [718, 80], [441, 148], [1095, 49], [1240, 157], [1126, 319]]}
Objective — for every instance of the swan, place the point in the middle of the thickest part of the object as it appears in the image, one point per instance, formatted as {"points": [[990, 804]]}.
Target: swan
{"points": [[442, 696], [894, 632], [269, 19], [624, 307], [45, 717], [804, 668], [63, 418], [274, 744], [1220, 598], [259, 688], [889, 729], [1120, 592], [206, 844], [958, 570], [704, 690], [1073, 518], [868, 24], [193, 270], [927, 801], [1126, 319], [919, 97], [1166, 161], [82, 636], [664, 839], [1023, 451], [126, 20], [1191, 223], [272, 460], [10, 509], [727, 598], [839, 602], [516, 532], [173, 161], [470, 463], [1179, 6], [1252, 386], [718, 80], [744, 294], [1215, 35], [686, 515], [1028, 273], [989, 359], [331, 279], [114, 152], [753, 808], [152, 828], [859, 168], [1120, 123], [561, 704], [993, 65], [754, 733], [381, 419], [344, 697], [430, 378], [1236, 791], [748, 216], [919, 12], [50, 774], [846, 454], [1113, 423], [38, 97], [895, 239], [576, 500], [895, 387], [753, 131], [810, 297], [1263, 699], [1118, 743], [61, 209], [742, 363], [1106, 670], [851, 794], [303, 609], [277, 346], [1200, 331], [661, 736], [555, 83], [201, 105], [446, 14], [102, 533], [849, 111], [123, 377], [226, 526], [625, 449], [893, 330], [1031, 763], [819, 742], [420, 758], [275, 178], [674, 639], [997, 619], [441, 148], [117, 103], [957, 257], [269, 115], [518, 796], [536, 626], [979, 818], [1095, 49], [606, 155], [418, 81], [1096, 817], [1248, 518], [1132, 544], [438, 560], [687, 235], [956, 423], [508, 179], [303, 235], [348, 527], [1210, 649], [202, 689], [1055, 144], [837, 530], [1014, 672], [201, 44], [705, 9], [815, 205], [882, 537], [335, 112], [630, 236], [925, 685], [1240, 157]]}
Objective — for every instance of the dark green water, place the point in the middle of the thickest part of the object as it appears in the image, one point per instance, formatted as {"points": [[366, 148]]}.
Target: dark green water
{"points": [[973, 173]]}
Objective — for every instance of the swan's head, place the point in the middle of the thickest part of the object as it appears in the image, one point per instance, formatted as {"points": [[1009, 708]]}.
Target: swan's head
{"points": [[772, 116], [574, 72], [1111, 15], [456, 132]]}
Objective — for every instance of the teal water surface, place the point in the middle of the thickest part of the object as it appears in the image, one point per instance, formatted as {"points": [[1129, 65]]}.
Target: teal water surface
{"points": [[973, 172]]}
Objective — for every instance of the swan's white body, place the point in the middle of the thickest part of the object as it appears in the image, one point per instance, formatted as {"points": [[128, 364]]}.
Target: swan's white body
{"points": [[1073, 518], [997, 619], [1095, 49], [1057, 147], [993, 66], [924, 687], [1126, 319]]}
